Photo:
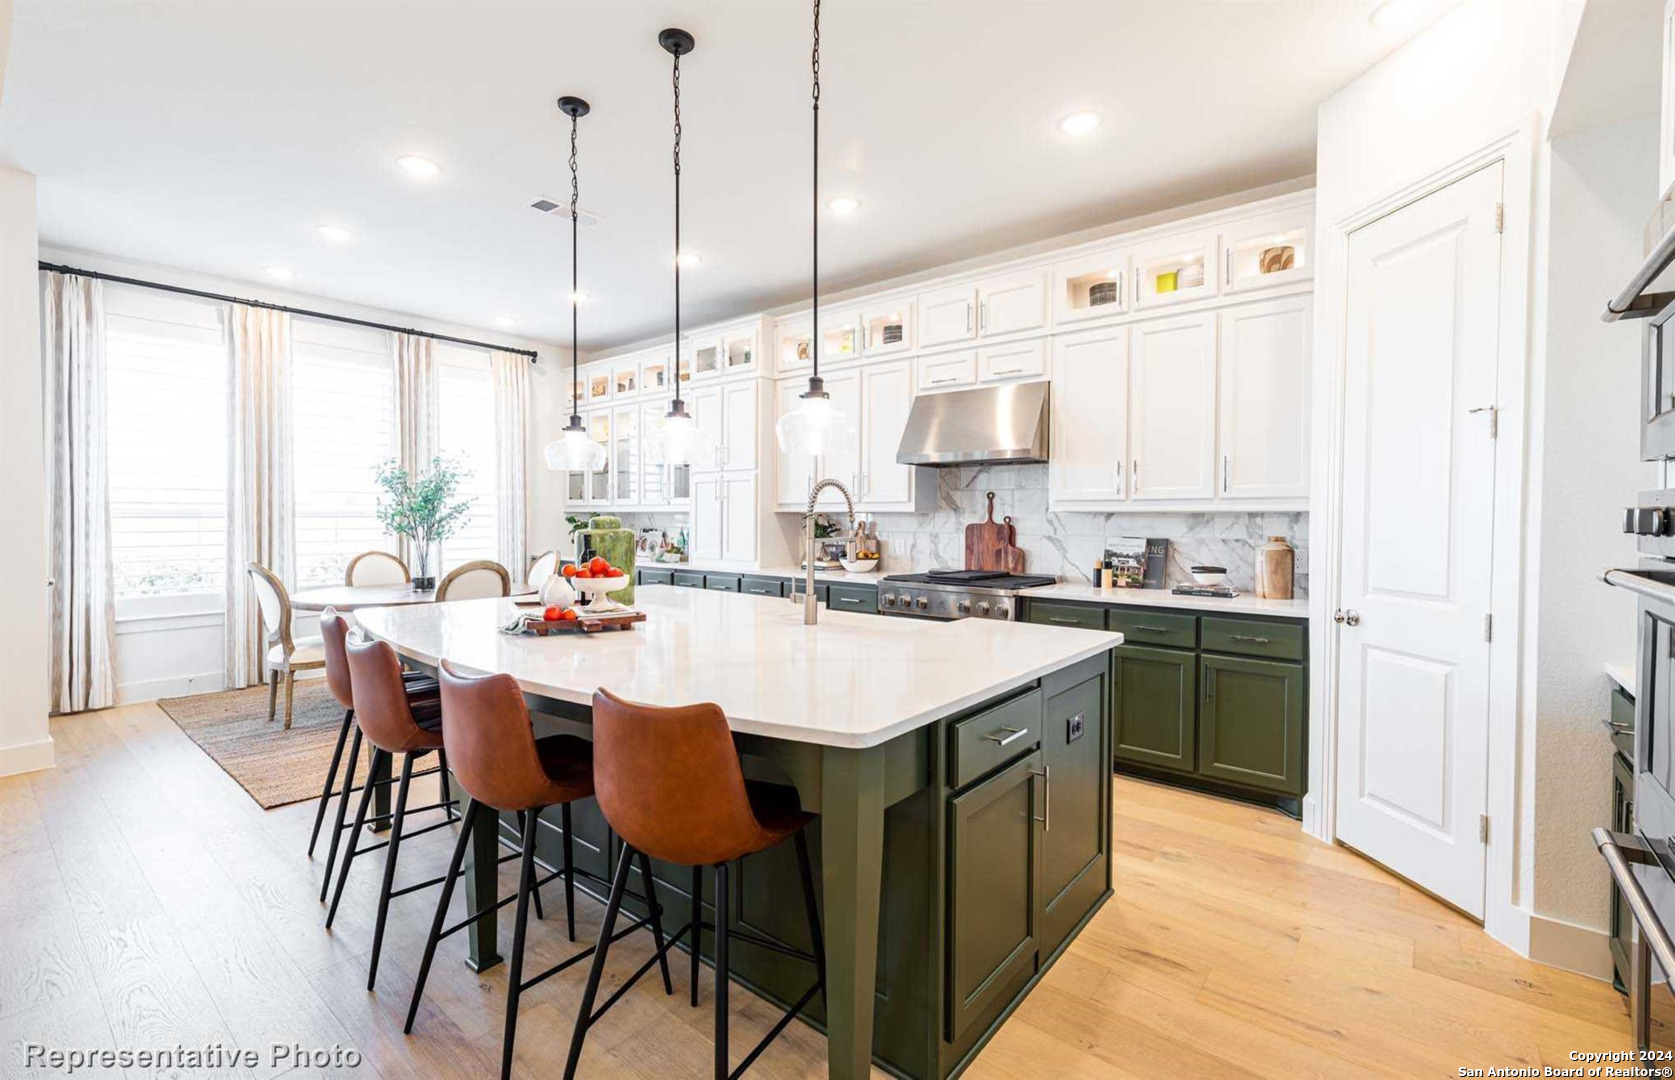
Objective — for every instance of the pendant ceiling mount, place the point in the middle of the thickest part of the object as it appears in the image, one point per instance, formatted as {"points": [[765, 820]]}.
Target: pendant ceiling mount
{"points": [[676, 42], [573, 107]]}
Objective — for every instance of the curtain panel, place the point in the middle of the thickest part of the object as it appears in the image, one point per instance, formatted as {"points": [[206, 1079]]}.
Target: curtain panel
{"points": [[510, 373], [258, 480], [83, 621], [416, 413]]}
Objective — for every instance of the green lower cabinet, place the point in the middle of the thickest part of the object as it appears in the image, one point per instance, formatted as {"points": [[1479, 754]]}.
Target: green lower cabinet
{"points": [[1250, 727], [1156, 698], [1075, 807], [992, 908]]}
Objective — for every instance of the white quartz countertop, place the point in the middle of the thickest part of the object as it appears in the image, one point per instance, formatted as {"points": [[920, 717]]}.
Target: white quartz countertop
{"points": [[1163, 598], [853, 680], [1623, 676], [872, 577]]}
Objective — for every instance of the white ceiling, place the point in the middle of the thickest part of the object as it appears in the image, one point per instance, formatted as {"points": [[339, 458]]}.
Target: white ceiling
{"points": [[216, 136]]}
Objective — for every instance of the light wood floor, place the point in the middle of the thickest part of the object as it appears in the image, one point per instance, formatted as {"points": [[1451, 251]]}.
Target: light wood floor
{"points": [[145, 901]]}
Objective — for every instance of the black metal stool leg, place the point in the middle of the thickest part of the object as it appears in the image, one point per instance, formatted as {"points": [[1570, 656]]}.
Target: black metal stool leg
{"points": [[354, 839], [525, 830], [514, 974], [447, 799], [721, 935], [342, 811], [331, 779], [389, 868], [697, 927], [569, 875], [435, 938], [654, 912], [584, 1014], [816, 938]]}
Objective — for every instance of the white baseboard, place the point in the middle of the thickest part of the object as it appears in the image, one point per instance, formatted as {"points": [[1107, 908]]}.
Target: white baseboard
{"points": [[26, 757], [1575, 948], [204, 682]]}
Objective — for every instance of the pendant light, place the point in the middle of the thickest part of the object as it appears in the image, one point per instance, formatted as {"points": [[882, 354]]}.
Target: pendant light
{"points": [[680, 430], [574, 450], [815, 426]]}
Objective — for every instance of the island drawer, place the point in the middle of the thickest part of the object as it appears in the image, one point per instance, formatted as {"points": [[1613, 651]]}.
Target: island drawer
{"points": [[657, 577], [722, 582], [1154, 628], [861, 598], [1244, 637], [1086, 616], [761, 586], [688, 579], [982, 743]]}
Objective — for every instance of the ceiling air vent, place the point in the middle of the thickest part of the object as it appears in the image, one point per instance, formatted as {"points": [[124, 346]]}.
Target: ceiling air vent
{"points": [[561, 209]]}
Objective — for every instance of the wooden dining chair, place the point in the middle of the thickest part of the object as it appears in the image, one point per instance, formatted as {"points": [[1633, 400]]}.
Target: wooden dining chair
{"points": [[286, 655], [376, 568], [473, 581], [544, 567]]}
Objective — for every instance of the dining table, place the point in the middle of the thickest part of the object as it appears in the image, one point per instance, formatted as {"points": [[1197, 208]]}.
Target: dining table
{"points": [[355, 597]]}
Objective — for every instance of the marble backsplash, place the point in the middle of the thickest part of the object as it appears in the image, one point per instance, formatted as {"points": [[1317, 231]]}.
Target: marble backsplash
{"points": [[1065, 544]]}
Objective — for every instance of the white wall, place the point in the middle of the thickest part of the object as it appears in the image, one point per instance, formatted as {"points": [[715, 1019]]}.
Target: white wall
{"points": [[24, 742], [174, 655]]}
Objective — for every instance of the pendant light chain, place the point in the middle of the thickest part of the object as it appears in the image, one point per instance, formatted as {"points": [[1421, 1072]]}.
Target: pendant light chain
{"points": [[815, 385], [676, 81], [575, 294]]}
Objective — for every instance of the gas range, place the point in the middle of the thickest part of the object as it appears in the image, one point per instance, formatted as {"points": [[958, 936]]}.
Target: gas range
{"points": [[956, 594]]}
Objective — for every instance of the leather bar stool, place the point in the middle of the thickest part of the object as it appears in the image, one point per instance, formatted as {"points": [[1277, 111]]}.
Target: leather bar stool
{"points": [[334, 631], [670, 784], [502, 766]]}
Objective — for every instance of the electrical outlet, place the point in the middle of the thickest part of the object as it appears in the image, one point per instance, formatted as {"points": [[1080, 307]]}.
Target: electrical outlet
{"points": [[1077, 726]]}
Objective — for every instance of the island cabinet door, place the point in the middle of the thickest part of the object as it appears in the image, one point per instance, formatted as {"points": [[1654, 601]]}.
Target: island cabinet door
{"points": [[1155, 698], [1251, 730], [1074, 834], [993, 835]]}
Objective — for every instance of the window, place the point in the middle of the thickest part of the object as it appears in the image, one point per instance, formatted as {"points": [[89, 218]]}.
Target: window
{"points": [[343, 427], [466, 434], [167, 370]]}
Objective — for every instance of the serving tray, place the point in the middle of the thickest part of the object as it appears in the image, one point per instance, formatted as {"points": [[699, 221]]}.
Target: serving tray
{"points": [[586, 624]]}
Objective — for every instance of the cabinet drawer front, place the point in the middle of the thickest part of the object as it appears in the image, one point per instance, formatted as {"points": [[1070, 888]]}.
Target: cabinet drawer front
{"points": [[993, 737], [722, 582], [1281, 641], [1154, 628], [657, 577], [949, 369], [756, 586], [1250, 723], [688, 579], [859, 598], [1021, 361], [1087, 616]]}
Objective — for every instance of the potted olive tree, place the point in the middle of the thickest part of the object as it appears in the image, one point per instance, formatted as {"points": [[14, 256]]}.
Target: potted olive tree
{"points": [[423, 509]]}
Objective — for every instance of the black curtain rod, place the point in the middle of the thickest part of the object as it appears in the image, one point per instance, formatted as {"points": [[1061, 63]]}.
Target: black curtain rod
{"points": [[159, 286]]}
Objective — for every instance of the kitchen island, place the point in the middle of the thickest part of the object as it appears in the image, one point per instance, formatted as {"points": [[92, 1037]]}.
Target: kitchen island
{"points": [[959, 770]]}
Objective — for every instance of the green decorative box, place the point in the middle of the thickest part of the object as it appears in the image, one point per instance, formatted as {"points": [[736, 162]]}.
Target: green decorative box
{"points": [[616, 545]]}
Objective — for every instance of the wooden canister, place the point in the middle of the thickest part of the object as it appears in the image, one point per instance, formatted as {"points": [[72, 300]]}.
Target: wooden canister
{"points": [[1276, 568]]}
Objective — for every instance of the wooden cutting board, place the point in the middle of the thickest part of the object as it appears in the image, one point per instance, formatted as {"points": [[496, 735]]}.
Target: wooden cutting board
{"points": [[1013, 554], [986, 542]]}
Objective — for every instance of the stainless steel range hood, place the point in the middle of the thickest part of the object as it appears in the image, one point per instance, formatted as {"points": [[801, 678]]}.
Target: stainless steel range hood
{"points": [[970, 427]]}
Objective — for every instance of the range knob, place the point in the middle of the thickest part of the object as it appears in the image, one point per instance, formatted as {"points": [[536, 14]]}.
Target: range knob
{"points": [[923, 602], [888, 599], [982, 608], [1002, 611], [1645, 521], [963, 607]]}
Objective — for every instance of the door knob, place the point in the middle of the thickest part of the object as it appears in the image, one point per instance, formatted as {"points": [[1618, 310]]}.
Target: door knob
{"points": [[1348, 618]]}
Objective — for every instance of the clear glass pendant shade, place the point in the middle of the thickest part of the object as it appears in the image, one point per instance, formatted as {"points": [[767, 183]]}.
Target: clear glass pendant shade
{"points": [[680, 439], [573, 451], [815, 426]]}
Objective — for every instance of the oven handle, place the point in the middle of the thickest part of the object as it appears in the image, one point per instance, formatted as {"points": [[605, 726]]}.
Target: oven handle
{"points": [[1640, 584], [1619, 849], [1634, 302]]}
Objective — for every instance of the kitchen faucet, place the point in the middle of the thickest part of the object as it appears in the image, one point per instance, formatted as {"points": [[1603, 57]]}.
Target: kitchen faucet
{"points": [[811, 608]]}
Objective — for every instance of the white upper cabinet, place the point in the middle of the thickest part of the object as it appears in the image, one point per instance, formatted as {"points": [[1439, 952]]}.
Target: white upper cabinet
{"points": [[703, 356], [1174, 408], [705, 405], [625, 453], [887, 327], [1090, 286], [1088, 457], [738, 517], [796, 343], [707, 517], [625, 378], [886, 399], [1009, 363], [797, 472], [599, 482], [947, 315], [738, 425], [1012, 303], [596, 383], [656, 370], [945, 371], [1263, 252], [1264, 394], [741, 351], [840, 336], [843, 461], [1175, 269]]}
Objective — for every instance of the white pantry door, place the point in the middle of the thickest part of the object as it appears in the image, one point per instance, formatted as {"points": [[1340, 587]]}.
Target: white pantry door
{"points": [[1423, 303]]}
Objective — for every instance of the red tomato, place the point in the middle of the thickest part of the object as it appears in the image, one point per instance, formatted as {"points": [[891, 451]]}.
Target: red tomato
{"points": [[598, 567], [570, 569], [552, 614], [613, 572], [584, 573], [569, 615]]}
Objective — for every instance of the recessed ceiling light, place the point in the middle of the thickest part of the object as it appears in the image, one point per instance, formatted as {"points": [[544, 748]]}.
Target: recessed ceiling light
{"points": [[579, 298], [334, 234], [1079, 123], [688, 258], [844, 204], [278, 273], [419, 168], [1393, 14], [506, 322]]}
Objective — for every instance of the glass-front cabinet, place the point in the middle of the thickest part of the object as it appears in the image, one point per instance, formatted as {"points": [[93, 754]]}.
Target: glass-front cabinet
{"points": [[626, 454], [796, 344], [596, 384], [703, 356], [599, 483], [739, 351], [888, 328], [840, 336], [625, 378], [1175, 269], [655, 373], [1266, 251], [1090, 286]]}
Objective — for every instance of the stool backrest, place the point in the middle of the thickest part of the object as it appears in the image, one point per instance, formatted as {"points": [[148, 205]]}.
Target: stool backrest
{"points": [[490, 743], [334, 638], [669, 781], [376, 568], [474, 580], [381, 697]]}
